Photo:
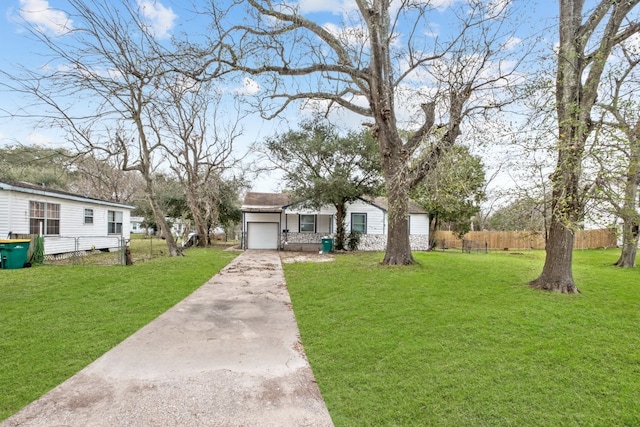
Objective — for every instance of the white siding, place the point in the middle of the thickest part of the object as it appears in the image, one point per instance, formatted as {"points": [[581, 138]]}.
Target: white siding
{"points": [[261, 217], [324, 224], [327, 210], [72, 228], [292, 223], [376, 217], [18, 212], [419, 224], [5, 218]]}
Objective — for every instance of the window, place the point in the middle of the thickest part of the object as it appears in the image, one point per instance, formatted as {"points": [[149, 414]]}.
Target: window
{"points": [[307, 223], [44, 215], [36, 217], [359, 222], [114, 222], [88, 216]]}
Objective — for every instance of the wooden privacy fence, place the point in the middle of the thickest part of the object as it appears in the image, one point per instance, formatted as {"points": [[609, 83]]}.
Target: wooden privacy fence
{"points": [[501, 240]]}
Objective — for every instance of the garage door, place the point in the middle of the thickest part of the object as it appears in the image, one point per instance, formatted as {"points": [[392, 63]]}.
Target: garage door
{"points": [[262, 235]]}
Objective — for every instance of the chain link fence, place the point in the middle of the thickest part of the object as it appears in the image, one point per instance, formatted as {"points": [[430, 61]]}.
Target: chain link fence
{"points": [[110, 250]]}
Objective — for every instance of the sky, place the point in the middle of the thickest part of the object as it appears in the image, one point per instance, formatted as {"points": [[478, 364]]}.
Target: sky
{"points": [[167, 18]]}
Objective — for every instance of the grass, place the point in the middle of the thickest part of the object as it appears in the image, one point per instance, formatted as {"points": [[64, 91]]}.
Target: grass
{"points": [[459, 339], [55, 320]]}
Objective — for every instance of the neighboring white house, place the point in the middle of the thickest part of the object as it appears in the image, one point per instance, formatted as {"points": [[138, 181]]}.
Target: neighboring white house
{"points": [[179, 227], [136, 225], [67, 221], [269, 221]]}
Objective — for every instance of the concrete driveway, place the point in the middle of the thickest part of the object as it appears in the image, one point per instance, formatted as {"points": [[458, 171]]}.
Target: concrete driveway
{"points": [[227, 355]]}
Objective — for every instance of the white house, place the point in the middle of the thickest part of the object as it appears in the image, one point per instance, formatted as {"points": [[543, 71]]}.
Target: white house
{"points": [[270, 221], [67, 221], [136, 225]]}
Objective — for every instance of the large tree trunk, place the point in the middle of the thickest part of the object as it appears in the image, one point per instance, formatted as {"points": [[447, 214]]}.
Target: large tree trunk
{"points": [[398, 243], [629, 246], [340, 232], [556, 274], [567, 210], [630, 225]]}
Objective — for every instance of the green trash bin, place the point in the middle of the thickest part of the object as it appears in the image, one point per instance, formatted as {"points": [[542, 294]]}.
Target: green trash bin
{"points": [[327, 245], [13, 253]]}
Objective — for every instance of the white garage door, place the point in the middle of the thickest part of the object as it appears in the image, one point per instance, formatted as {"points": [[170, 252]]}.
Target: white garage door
{"points": [[262, 235]]}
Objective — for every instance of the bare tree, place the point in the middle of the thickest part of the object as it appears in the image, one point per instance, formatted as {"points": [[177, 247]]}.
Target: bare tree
{"points": [[375, 62], [101, 84], [619, 157], [198, 146], [586, 42], [104, 179]]}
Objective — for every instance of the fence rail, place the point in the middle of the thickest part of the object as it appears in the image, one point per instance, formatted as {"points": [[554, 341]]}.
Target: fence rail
{"points": [[520, 240]]}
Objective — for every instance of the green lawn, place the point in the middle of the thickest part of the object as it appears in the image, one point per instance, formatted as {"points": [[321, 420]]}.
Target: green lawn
{"points": [[460, 340], [55, 320]]}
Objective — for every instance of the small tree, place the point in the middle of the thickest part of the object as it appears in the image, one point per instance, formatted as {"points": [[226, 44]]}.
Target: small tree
{"points": [[322, 167], [452, 192]]}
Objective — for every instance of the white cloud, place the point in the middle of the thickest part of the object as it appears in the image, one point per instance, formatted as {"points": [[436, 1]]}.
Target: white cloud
{"points": [[350, 36], [441, 5], [512, 43], [160, 18], [432, 30], [249, 87], [44, 18], [39, 139]]}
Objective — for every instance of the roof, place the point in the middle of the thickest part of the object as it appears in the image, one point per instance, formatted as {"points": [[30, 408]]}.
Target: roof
{"points": [[276, 202], [25, 187], [264, 202]]}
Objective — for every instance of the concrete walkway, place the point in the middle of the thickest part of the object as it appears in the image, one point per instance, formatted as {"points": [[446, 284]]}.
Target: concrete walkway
{"points": [[227, 355]]}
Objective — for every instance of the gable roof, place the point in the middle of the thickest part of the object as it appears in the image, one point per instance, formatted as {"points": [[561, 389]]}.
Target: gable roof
{"points": [[276, 202], [25, 187], [264, 202]]}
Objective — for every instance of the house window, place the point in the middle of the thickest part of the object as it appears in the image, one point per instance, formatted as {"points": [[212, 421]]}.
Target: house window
{"points": [[114, 222], [359, 222], [88, 216], [45, 215], [307, 223]]}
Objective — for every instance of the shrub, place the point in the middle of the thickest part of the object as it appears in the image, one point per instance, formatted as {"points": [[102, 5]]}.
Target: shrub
{"points": [[353, 240]]}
